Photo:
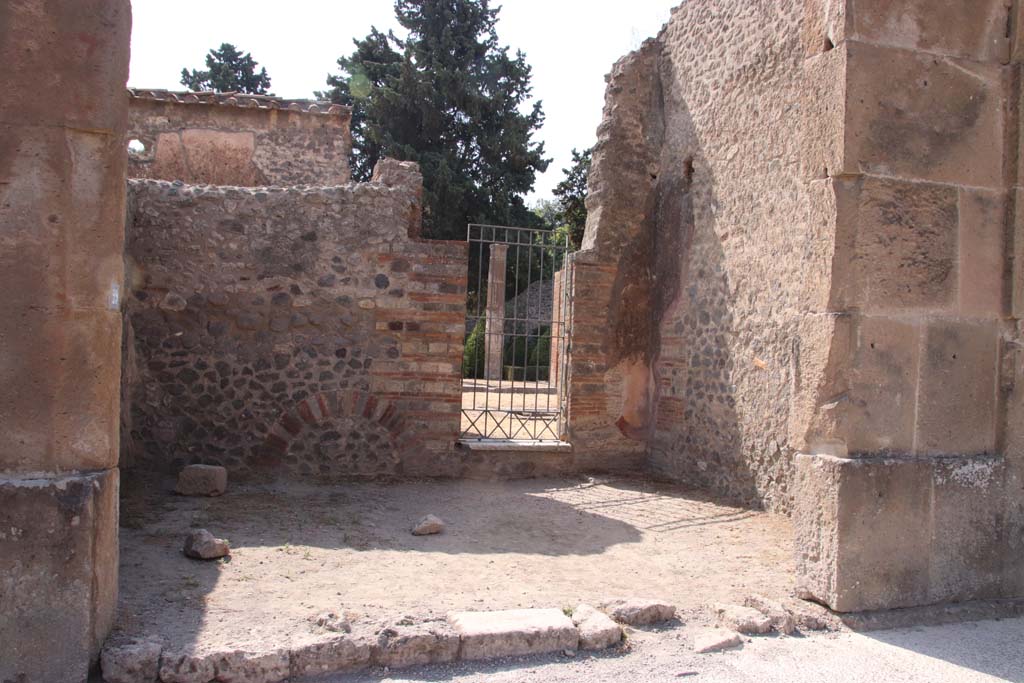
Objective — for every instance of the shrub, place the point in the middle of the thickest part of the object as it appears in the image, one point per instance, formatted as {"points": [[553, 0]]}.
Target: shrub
{"points": [[473, 354]]}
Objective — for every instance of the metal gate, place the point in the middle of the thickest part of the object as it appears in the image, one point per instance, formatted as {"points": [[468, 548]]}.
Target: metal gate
{"points": [[518, 311]]}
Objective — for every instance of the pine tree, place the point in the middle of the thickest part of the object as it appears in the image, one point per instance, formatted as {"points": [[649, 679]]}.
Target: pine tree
{"points": [[571, 194], [228, 70], [448, 96]]}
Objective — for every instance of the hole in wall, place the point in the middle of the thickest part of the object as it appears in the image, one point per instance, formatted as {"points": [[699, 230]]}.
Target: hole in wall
{"points": [[688, 169], [136, 146], [827, 45]]}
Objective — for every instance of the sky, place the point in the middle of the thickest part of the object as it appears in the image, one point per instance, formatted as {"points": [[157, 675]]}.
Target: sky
{"points": [[571, 45]]}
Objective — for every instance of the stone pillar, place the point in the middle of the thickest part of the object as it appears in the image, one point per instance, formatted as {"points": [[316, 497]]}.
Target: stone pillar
{"points": [[559, 314], [62, 206], [495, 325], [900, 492]]}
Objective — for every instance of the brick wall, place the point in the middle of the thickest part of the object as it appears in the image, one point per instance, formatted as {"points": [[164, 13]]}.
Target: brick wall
{"points": [[239, 140], [292, 329]]}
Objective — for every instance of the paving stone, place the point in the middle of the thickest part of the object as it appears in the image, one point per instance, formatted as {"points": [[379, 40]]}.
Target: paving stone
{"points": [[428, 525], [340, 653], [185, 666], [715, 640], [239, 666], [406, 645], [782, 619], [202, 480], [200, 544], [743, 619], [137, 662], [487, 635], [638, 611], [597, 630]]}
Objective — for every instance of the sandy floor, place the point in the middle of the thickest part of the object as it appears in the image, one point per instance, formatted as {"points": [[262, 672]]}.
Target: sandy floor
{"points": [[301, 549]]}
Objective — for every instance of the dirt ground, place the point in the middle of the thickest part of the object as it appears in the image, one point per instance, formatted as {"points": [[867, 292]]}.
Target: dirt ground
{"points": [[301, 549]]}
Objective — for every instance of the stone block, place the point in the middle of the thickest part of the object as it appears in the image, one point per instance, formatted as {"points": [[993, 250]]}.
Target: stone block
{"points": [[62, 208], [597, 630], [956, 401], [861, 531], [638, 611], [969, 540], [58, 574], [339, 653], [895, 245], [711, 640], [983, 257], [81, 47], [917, 116], [60, 409], [877, 414], [823, 115], [487, 635], [885, 533], [417, 644], [241, 666], [973, 30], [746, 620], [202, 480]]}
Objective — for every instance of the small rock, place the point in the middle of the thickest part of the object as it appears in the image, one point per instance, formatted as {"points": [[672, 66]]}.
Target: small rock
{"points": [[331, 621], [715, 639], [201, 545], [173, 302], [638, 611], [132, 663], [746, 620], [202, 480], [597, 630], [569, 653], [781, 618], [428, 525]]}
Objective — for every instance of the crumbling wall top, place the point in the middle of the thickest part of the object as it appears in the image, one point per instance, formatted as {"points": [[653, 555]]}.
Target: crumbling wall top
{"points": [[243, 100]]}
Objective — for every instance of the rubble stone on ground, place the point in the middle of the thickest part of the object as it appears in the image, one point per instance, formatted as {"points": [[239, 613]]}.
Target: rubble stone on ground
{"points": [[486, 635], [715, 640], [200, 544], [428, 525], [782, 619], [597, 630], [137, 662], [202, 480], [332, 621], [638, 611], [743, 619]]}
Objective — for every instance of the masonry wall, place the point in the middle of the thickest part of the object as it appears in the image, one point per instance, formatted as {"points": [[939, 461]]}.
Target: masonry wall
{"points": [[62, 166], [241, 140], [293, 331]]}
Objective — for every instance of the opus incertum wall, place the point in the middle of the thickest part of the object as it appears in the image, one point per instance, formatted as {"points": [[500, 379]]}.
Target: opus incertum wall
{"points": [[300, 331]]}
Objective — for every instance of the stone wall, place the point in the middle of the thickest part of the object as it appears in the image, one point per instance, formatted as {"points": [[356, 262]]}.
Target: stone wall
{"points": [[293, 331], [801, 240], [62, 166], [244, 140]]}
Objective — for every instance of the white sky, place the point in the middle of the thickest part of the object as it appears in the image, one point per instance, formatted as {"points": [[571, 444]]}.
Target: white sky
{"points": [[571, 45]]}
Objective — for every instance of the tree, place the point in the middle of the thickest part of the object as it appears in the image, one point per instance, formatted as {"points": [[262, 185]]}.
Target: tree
{"points": [[228, 70], [450, 98], [572, 196]]}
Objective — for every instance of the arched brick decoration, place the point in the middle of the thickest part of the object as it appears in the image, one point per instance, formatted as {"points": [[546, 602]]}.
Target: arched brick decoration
{"points": [[325, 410]]}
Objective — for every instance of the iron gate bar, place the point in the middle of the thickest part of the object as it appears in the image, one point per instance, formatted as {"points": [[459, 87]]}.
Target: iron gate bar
{"points": [[516, 382]]}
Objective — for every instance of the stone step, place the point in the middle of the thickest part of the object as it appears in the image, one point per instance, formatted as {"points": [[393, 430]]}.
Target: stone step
{"points": [[506, 633]]}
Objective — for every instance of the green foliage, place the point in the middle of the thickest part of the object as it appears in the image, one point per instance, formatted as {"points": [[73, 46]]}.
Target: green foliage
{"points": [[540, 357], [451, 98], [228, 70], [572, 196], [473, 353]]}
